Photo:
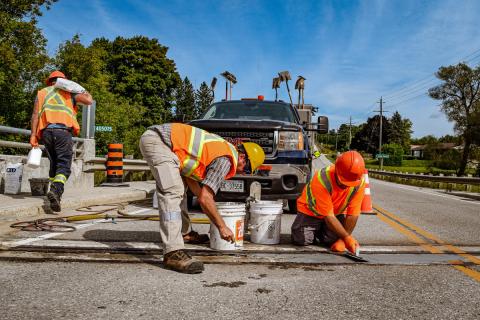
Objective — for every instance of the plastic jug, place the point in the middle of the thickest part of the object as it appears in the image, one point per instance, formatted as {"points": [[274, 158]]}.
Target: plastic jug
{"points": [[34, 158]]}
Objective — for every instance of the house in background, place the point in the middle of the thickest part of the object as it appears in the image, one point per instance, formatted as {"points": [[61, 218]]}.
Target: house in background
{"points": [[418, 150]]}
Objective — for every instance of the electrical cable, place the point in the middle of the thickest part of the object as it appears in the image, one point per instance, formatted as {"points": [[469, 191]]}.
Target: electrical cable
{"points": [[57, 224]]}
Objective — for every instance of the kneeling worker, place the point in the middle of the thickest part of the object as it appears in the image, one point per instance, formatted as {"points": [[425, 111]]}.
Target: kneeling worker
{"points": [[330, 204], [204, 160]]}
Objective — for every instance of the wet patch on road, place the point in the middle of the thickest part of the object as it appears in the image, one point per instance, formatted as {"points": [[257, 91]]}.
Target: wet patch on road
{"points": [[260, 276], [234, 284], [263, 290]]}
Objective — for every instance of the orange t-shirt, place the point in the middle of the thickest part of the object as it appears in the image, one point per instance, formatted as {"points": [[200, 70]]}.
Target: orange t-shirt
{"points": [[326, 204]]}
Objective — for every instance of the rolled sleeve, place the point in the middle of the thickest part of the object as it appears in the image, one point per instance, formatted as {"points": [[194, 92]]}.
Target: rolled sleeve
{"points": [[216, 173]]}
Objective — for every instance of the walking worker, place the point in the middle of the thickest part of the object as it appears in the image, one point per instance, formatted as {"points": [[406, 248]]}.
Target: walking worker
{"points": [[330, 204], [54, 120], [180, 154]]}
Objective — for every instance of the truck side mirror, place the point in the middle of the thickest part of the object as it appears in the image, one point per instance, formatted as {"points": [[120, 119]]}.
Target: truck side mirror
{"points": [[322, 125]]}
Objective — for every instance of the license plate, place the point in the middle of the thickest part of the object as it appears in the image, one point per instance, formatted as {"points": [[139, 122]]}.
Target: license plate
{"points": [[232, 186]]}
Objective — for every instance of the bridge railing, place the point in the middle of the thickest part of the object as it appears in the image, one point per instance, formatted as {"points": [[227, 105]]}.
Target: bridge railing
{"points": [[426, 177], [78, 142]]}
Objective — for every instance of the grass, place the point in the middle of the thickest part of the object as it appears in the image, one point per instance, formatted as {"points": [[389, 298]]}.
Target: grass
{"points": [[410, 166]]}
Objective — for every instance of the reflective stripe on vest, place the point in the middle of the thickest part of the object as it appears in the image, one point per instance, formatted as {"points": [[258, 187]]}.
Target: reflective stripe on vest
{"points": [[324, 177], [198, 138], [54, 102]]}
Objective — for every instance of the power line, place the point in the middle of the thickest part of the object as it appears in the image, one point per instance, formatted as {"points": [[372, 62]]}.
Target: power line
{"points": [[409, 99], [417, 84]]}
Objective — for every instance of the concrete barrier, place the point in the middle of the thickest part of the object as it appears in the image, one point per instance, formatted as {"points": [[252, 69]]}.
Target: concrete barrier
{"points": [[78, 180]]}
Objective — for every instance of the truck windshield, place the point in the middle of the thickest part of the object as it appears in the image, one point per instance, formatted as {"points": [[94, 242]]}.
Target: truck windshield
{"points": [[250, 110]]}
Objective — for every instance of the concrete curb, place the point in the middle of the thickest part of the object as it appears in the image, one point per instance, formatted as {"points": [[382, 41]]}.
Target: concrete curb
{"points": [[34, 206]]}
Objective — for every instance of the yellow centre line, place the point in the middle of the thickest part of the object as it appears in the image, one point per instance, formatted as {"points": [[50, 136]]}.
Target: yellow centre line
{"points": [[402, 226]]}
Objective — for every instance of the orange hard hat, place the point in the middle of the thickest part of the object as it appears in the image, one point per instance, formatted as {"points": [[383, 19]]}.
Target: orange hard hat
{"points": [[55, 74], [350, 168]]}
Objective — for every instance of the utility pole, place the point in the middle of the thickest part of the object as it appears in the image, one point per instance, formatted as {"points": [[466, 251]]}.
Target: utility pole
{"points": [[336, 140], [380, 136], [350, 133]]}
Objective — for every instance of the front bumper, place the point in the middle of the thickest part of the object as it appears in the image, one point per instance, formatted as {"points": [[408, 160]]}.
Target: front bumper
{"points": [[285, 181]]}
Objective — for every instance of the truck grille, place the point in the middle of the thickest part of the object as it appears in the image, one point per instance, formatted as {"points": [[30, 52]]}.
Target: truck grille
{"points": [[265, 139]]}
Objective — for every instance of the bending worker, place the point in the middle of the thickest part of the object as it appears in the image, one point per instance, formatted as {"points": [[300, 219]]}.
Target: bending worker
{"points": [[204, 160], [330, 204], [54, 120]]}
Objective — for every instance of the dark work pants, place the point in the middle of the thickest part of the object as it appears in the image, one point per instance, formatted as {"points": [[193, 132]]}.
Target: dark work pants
{"points": [[59, 146], [307, 230]]}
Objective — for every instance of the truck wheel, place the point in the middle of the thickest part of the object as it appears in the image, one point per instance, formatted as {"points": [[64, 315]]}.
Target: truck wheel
{"points": [[292, 206]]}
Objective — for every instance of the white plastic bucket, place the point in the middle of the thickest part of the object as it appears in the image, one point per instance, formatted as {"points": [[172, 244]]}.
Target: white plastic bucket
{"points": [[233, 213], [34, 158], [265, 221]]}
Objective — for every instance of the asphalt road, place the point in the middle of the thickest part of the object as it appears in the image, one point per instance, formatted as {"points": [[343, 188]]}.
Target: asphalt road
{"points": [[140, 291], [436, 222]]}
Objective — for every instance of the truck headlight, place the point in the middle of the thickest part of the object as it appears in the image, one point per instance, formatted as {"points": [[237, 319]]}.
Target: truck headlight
{"points": [[288, 140]]}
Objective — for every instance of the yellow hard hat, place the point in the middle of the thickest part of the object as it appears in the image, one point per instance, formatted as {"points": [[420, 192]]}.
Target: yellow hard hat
{"points": [[255, 154]]}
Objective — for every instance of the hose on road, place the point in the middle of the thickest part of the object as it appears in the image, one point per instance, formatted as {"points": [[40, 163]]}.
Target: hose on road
{"points": [[107, 212]]}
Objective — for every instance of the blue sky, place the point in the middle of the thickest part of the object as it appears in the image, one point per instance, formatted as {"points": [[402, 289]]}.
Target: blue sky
{"points": [[351, 52]]}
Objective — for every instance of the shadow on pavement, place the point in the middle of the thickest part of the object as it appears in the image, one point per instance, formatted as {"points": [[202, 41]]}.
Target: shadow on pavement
{"points": [[120, 238]]}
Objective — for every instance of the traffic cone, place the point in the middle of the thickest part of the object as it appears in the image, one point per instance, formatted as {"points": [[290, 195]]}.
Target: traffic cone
{"points": [[367, 199]]}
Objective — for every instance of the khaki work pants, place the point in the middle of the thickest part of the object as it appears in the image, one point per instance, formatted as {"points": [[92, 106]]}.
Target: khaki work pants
{"points": [[171, 190]]}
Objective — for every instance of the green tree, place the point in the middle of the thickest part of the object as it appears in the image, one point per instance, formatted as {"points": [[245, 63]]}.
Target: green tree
{"points": [[203, 99], [23, 58], [429, 139], [185, 101], [395, 153], [88, 66], [141, 72], [367, 138], [400, 131], [449, 138], [460, 96]]}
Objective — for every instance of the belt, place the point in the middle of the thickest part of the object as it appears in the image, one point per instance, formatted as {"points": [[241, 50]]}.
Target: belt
{"points": [[65, 129]]}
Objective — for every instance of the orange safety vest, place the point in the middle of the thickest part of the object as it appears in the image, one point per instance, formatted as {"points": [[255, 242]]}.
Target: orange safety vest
{"points": [[322, 180], [56, 106], [197, 148]]}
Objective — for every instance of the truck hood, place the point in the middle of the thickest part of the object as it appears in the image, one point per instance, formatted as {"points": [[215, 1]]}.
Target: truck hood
{"points": [[245, 124]]}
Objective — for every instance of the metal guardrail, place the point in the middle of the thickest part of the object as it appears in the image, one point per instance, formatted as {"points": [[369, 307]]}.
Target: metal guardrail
{"points": [[98, 164], [25, 132], [431, 178], [24, 145]]}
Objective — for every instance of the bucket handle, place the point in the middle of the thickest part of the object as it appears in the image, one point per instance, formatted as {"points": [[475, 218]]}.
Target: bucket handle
{"points": [[256, 226]]}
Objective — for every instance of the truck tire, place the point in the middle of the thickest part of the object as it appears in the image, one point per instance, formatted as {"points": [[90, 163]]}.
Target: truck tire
{"points": [[292, 206]]}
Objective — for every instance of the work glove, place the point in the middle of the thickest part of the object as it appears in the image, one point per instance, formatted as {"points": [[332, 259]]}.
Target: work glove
{"points": [[351, 244], [338, 246]]}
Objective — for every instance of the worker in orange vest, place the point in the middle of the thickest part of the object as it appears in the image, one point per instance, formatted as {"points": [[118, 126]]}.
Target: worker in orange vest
{"points": [[329, 206], [180, 155], [54, 121]]}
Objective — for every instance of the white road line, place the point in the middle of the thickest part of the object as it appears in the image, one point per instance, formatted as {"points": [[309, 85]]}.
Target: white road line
{"points": [[55, 234], [415, 189]]}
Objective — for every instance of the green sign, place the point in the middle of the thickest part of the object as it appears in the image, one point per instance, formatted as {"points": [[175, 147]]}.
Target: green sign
{"points": [[103, 128], [382, 155]]}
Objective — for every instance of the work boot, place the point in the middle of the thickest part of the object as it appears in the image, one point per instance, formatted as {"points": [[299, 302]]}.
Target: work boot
{"points": [[181, 261], [194, 237], [54, 199]]}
